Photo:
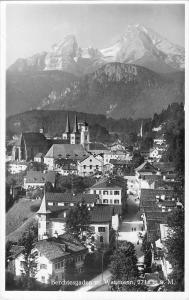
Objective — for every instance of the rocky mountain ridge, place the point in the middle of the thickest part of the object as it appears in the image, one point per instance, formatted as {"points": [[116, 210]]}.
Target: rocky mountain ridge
{"points": [[139, 45]]}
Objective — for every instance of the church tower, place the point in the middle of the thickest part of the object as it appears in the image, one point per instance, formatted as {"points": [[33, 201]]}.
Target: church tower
{"points": [[84, 130], [66, 134], [43, 214], [75, 135]]}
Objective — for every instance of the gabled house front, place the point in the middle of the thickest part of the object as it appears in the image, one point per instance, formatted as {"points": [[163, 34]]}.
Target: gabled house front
{"points": [[89, 166], [108, 195]]}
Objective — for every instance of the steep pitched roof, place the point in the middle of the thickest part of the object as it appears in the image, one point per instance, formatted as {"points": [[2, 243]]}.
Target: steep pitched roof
{"points": [[64, 245], [67, 130], [75, 128], [16, 250], [101, 214], [97, 146], [90, 156], [43, 207], [146, 167], [73, 151], [165, 166], [68, 197], [51, 249], [34, 138], [40, 177], [120, 162], [150, 194], [103, 185]]}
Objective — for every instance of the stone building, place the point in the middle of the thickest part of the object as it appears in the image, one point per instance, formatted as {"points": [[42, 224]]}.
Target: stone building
{"points": [[28, 145]]}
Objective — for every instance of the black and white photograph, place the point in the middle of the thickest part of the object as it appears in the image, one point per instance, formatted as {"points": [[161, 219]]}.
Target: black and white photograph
{"points": [[94, 147]]}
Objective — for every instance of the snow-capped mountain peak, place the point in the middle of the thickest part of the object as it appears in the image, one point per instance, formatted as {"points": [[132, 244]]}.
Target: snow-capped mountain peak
{"points": [[143, 46], [138, 45]]}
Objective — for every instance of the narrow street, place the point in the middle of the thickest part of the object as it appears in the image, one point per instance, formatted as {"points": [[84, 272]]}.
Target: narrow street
{"points": [[130, 221], [131, 226]]}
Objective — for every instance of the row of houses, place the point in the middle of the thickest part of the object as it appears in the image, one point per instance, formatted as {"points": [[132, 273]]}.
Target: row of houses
{"points": [[156, 205], [73, 159], [55, 248], [52, 258]]}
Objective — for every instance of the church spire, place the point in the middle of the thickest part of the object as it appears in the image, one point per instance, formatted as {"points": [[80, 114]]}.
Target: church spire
{"points": [[75, 129], [141, 130], [67, 125], [43, 208]]}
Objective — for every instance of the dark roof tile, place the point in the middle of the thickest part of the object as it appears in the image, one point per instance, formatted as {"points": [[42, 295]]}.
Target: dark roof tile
{"points": [[101, 214]]}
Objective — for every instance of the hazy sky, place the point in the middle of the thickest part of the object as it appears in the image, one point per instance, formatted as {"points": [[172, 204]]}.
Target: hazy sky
{"points": [[32, 28]]}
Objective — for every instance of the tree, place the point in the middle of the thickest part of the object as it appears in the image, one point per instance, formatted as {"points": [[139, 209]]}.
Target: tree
{"points": [[78, 220], [124, 263], [9, 245], [146, 249], [37, 166], [137, 159], [155, 121], [133, 137], [175, 247], [73, 183], [28, 241], [49, 187]]}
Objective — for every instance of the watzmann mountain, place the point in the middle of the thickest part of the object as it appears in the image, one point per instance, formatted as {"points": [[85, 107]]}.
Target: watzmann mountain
{"points": [[140, 74], [139, 45]]}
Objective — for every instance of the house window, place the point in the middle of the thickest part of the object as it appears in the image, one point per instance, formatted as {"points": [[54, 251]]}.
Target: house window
{"points": [[100, 192], [95, 192], [91, 166], [105, 201], [110, 201], [116, 192], [111, 193], [101, 239], [90, 160], [62, 264], [84, 167], [105, 192], [96, 166], [101, 229], [55, 203], [43, 266], [116, 201], [22, 264], [92, 239]]}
